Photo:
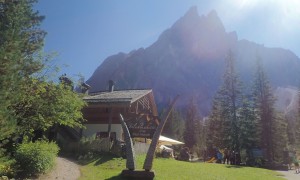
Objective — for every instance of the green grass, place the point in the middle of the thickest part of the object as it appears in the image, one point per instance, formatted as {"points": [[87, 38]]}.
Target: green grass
{"points": [[108, 167]]}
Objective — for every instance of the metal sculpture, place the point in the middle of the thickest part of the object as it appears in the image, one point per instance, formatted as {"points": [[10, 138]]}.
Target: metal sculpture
{"points": [[151, 151], [130, 164]]}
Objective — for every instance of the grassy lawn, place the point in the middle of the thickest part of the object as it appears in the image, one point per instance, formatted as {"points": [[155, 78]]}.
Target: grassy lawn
{"points": [[108, 167]]}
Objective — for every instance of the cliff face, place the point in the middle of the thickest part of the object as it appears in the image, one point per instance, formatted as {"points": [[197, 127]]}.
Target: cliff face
{"points": [[188, 59]]}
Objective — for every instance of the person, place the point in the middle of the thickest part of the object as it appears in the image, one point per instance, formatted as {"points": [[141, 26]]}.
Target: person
{"points": [[184, 154], [286, 158], [226, 156], [232, 157], [164, 153], [219, 156], [237, 158], [296, 164], [167, 153]]}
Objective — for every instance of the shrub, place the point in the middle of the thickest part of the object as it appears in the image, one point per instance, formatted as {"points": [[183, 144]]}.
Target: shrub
{"points": [[7, 168], [7, 165], [36, 158], [86, 145]]}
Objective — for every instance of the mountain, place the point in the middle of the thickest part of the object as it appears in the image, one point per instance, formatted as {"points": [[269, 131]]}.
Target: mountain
{"points": [[288, 103], [188, 59], [287, 100]]}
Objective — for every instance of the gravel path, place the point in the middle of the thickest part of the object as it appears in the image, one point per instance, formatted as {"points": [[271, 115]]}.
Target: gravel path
{"points": [[290, 175], [63, 170]]}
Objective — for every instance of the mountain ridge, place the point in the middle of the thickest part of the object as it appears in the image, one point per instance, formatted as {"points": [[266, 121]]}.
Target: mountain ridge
{"points": [[188, 59]]}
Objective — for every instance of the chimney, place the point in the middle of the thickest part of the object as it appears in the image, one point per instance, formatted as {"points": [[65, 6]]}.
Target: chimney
{"points": [[85, 88], [111, 84]]}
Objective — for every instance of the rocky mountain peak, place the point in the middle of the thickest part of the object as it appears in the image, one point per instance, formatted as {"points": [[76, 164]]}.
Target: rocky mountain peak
{"points": [[214, 21], [192, 20], [188, 59], [203, 36], [192, 12]]}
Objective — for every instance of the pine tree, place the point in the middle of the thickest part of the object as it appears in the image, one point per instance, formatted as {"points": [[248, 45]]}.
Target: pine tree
{"points": [[190, 132], [20, 40], [280, 137], [264, 106], [230, 97], [248, 126], [292, 126], [297, 124], [174, 127], [201, 137], [215, 127]]}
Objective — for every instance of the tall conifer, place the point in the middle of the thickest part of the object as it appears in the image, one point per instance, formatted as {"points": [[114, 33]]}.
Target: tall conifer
{"points": [[190, 132], [248, 125], [215, 127], [230, 97], [20, 40], [280, 137], [264, 106]]}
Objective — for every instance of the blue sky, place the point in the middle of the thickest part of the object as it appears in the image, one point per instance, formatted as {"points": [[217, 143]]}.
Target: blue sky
{"points": [[85, 32]]}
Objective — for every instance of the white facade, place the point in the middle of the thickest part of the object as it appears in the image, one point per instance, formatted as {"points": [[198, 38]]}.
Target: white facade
{"points": [[93, 129]]}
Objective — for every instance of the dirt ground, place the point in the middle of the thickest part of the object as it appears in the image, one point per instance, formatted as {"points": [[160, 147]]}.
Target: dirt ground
{"points": [[64, 170]]}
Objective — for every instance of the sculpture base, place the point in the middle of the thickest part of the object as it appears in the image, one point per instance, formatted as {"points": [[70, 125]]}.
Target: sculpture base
{"points": [[134, 174]]}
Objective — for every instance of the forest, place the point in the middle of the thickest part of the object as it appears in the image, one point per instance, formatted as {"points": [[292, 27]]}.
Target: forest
{"points": [[242, 119]]}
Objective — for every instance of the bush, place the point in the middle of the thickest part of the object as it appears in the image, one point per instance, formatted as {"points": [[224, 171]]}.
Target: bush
{"points": [[36, 158], [7, 168], [7, 165], [86, 145]]}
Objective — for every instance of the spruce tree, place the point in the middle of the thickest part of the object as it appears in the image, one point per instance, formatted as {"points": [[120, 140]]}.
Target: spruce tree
{"points": [[174, 126], [292, 126], [20, 39], [200, 134], [297, 124], [280, 137], [190, 132], [264, 107], [214, 127], [230, 97], [248, 126]]}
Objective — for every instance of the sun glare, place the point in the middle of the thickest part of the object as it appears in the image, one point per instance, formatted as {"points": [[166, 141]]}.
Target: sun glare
{"points": [[281, 13], [245, 4], [290, 8]]}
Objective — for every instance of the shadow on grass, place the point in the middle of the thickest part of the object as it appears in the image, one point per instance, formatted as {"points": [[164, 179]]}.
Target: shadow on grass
{"points": [[84, 162], [104, 158], [118, 177], [234, 166], [98, 159]]}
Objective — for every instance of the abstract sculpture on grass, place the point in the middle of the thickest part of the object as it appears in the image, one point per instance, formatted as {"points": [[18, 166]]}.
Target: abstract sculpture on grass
{"points": [[130, 164]]}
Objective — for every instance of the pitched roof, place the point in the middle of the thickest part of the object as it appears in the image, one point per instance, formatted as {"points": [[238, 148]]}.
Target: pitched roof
{"points": [[121, 96]]}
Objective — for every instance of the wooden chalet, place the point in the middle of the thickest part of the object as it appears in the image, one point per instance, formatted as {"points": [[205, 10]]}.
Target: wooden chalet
{"points": [[104, 109]]}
